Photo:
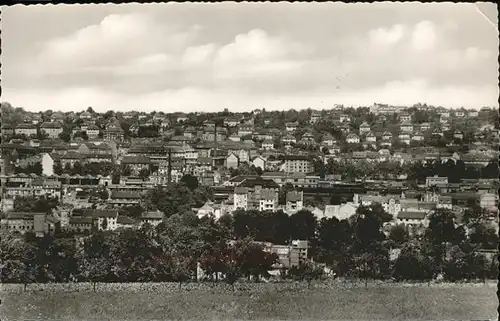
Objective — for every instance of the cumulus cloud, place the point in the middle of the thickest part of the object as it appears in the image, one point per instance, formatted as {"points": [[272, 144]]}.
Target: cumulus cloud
{"points": [[199, 54], [117, 39], [135, 59], [424, 35], [387, 37]]}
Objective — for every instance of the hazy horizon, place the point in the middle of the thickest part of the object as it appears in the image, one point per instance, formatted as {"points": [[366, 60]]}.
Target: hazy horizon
{"points": [[185, 57]]}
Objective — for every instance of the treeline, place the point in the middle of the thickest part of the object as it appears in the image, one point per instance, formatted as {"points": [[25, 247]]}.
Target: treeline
{"points": [[35, 168], [453, 170], [360, 247], [93, 168], [418, 171]]}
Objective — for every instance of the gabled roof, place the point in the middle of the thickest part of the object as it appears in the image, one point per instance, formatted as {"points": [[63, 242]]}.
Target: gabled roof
{"points": [[23, 215], [152, 215], [125, 220], [293, 196], [99, 213], [136, 160], [125, 195], [240, 190]]}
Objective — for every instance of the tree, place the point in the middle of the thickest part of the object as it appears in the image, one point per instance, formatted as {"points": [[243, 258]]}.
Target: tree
{"points": [[144, 173], [485, 236], [17, 262], [367, 225], [190, 181], [442, 229], [34, 205], [57, 168], [411, 264], [306, 271], [181, 268], [65, 136], [126, 171], [333, 239], [252, 260], [77, 169], [94, 260], [371, 265], [399, 234], [303, 225]]}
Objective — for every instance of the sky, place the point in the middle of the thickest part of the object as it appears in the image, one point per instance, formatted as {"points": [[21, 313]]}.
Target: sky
{"points": [[242, 56]]}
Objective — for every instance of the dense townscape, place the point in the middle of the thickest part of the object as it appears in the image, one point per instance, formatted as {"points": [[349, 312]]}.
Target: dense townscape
{"points": [[379, 192]]}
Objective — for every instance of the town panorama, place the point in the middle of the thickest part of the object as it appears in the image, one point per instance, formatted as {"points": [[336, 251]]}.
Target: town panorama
{"points": [[299, 183]]}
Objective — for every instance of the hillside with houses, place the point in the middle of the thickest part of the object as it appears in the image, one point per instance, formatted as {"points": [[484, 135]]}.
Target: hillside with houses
{"points": [[304, 172]]}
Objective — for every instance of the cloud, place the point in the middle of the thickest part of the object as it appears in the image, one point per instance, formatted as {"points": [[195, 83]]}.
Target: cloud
{"points": [[256, 55], [198, 54], [387, 37], [144, 59], [117, 39], [424, 35], [257, 45]]}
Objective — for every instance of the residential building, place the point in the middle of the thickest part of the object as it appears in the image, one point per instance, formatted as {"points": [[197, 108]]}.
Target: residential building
{"points": [[51, 129], [344, 118], [92, 131], [425, 127], [328, 140], [105, 220], [352, 138], [245, 130], [297, 164], [81, 224], [440, 182], [241, 198], [418, 136], [26, 129], [472, 113], [136, 163], [268, 145], [232, 161], [7, 130], [113, 132], [259, 162], [23, 222], [407, 127], [291, 255], [294, 201], [364, 128], [289, 139], [154, 218], [489, 201], [315, 116], [405, 117], [268, 200], [458, 134], [404, 138], [415, 219], [125, 222], [341, 212], [291, 126], [371, 138]]}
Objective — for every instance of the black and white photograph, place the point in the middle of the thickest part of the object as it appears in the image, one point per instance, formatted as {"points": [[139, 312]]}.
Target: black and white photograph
{"points": [[249, 161]]}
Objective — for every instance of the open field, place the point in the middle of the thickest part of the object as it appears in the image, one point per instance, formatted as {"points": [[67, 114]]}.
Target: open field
{"points": [[149, 301]]}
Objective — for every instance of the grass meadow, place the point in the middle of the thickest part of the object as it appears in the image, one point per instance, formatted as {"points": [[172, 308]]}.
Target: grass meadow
{"points": [[278, 301]]}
